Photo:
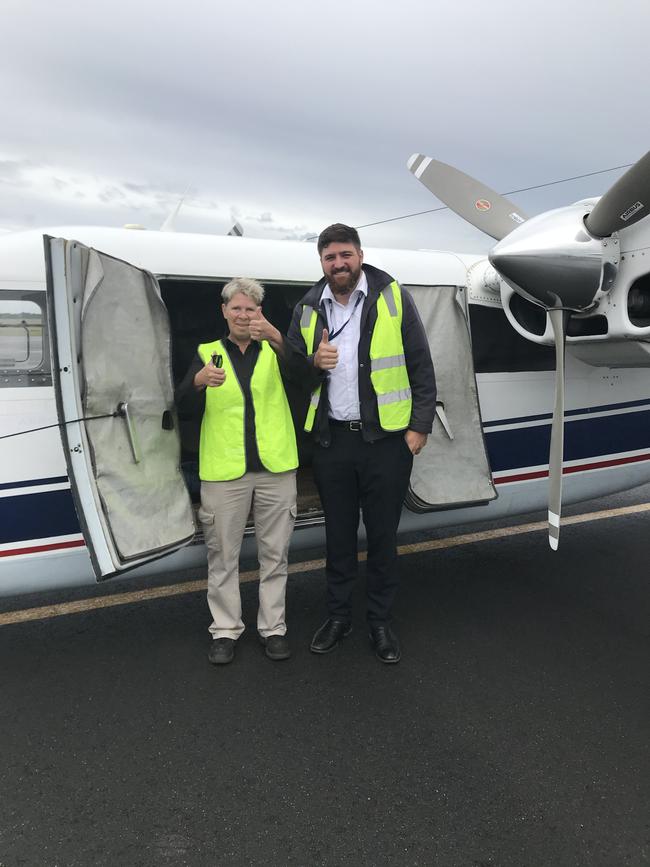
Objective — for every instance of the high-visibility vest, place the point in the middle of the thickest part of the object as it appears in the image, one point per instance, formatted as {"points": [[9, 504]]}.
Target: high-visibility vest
{"points": [[222, 448], [388, 374]]}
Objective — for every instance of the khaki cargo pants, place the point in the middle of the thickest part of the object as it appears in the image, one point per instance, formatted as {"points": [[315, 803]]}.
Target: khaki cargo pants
{"points": [[225, 506]]}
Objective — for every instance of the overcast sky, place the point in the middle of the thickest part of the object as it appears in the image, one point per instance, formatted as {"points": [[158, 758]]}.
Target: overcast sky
{"points": [[291, 115]]}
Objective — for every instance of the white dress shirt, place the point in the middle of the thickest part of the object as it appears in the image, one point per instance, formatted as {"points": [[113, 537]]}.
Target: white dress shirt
{"points": [[343, 384]]}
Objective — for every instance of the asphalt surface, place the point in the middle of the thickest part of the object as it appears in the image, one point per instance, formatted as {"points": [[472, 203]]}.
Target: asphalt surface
{"points": [[514, 731]]}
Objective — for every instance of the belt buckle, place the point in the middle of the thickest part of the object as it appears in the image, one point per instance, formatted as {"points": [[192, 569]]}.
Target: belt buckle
{"points": [[355, 425]]}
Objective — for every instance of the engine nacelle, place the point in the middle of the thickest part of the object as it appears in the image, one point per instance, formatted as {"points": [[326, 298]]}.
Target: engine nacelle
{"points": [[615, 331]]}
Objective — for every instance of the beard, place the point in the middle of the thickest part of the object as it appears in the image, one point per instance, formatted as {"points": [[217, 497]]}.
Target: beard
{"points": [[343, 281]]}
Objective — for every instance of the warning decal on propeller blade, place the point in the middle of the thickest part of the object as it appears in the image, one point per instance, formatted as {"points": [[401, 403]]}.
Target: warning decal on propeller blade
{"points": [[631, 210], [482, 205], [516, 218]]}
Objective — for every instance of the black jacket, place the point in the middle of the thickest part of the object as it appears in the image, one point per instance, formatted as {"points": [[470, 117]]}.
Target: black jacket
{"points": [[416, 350]]}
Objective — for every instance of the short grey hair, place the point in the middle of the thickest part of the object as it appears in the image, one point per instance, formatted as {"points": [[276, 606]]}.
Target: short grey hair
{"points": [[251, 288]]}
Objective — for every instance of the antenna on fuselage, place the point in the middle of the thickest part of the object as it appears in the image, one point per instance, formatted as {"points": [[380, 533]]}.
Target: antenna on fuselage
{"points": [[169, 224]]}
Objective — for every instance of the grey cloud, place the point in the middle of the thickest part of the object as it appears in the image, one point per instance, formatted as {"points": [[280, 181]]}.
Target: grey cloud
{"points": [[299, 134], [13, 172], [11, 169], [145, 189]]}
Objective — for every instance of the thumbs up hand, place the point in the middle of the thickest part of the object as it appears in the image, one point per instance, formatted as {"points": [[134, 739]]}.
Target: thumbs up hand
{"points": [[209, 377], [326, 356], [261, 328]]}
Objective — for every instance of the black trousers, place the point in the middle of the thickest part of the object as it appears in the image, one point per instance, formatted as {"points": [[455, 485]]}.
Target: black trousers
{"points": [[353, 477]]}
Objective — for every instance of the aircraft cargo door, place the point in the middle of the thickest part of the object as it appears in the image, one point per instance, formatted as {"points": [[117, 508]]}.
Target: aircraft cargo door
{"points": [[453, 470], [112, 374]]}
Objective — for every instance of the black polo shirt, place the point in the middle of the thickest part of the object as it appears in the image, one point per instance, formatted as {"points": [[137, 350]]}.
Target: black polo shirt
{"points": [[244, 364]]}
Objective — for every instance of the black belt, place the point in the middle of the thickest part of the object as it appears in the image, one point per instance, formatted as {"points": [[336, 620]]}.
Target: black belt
{"points": [[355, 425]]}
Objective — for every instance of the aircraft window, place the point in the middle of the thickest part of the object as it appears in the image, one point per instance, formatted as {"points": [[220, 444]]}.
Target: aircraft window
{"points": [[24, 359], [497, 347]]}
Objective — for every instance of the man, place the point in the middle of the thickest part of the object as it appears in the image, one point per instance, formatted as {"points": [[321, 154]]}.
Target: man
{"points": [[247, 457], [370, 415]]}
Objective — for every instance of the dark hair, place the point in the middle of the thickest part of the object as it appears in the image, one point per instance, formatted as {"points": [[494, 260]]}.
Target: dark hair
{"points": [[338, 233]]}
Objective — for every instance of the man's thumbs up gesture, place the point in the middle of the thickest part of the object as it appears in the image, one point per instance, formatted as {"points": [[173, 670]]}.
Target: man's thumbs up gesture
{"points": [[326, 356]]}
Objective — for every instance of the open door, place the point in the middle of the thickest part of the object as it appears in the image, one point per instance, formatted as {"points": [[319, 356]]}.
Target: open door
{"points": [[113, 382], [453, 471]]}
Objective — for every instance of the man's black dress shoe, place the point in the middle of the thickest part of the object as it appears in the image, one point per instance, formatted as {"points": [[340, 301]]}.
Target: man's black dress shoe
{"points": [[329, 635], [277, 646], [385, 643], [222, 651]]}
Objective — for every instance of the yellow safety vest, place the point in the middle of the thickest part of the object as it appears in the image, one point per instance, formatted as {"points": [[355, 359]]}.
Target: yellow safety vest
{"points": [[222, 449], [388, 373]]}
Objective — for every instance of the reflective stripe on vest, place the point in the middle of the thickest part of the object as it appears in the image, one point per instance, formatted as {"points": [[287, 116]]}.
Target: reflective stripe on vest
{"points": [[308, 330], [222, 450], [388, 372]]}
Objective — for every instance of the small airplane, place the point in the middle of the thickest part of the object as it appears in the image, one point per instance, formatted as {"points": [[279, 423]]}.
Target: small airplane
{"points": [[98, 471]]}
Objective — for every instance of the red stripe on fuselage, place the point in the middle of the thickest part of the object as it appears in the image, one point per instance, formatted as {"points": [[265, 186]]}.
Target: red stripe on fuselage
{"points": [[38, 549], [597, 465], [502, 480]]}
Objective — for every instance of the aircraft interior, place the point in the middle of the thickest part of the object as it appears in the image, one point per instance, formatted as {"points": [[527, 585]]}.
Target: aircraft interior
{"points": [[194, 308]]}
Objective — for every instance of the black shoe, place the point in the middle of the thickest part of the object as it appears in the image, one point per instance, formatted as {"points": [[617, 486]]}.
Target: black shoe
{"points": [[329, 635], [277, 646], [385, 643], [222, 651]]}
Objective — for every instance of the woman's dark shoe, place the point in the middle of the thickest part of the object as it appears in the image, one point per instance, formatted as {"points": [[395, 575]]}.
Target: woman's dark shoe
{"points": [[222, 651], [276, 646]]}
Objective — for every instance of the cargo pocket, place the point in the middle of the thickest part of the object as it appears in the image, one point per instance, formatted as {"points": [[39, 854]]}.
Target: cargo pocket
{"points": [[206, 519], [293, 511]]}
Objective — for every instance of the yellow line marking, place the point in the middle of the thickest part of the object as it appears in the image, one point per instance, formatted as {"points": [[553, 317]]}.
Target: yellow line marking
{"points": [[48, 611]]}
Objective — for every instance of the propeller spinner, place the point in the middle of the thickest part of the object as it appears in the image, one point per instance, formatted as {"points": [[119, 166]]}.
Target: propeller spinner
{"points": [[555, 260]]}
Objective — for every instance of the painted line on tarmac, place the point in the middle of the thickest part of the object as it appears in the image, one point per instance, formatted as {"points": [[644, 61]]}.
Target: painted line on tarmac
{"points": [[48, 611]]}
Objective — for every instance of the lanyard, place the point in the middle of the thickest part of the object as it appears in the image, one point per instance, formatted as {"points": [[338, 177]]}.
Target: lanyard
{"points": [[336, 333]]}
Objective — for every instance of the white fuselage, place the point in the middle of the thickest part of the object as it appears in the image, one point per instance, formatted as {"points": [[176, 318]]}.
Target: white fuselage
{"points": [[607, 440]]}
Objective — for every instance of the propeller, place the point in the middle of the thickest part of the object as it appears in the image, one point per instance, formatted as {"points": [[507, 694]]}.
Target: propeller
{"points": [[550, 260], [469, 198], [559, 322], [625, 202]]}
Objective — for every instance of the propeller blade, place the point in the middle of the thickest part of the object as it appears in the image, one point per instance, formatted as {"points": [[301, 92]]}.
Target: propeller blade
{"points": [[559, 322], [624, 203], [470, 199]]}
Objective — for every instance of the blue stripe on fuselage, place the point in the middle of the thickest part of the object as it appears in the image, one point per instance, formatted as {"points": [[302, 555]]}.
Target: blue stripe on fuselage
{"points": [[33, 483], [585, 438], [37, 516], [52, 513], [527, 419]]}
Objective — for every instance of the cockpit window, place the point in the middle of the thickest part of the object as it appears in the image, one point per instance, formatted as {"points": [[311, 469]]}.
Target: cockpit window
{"points": [[24, 358]]}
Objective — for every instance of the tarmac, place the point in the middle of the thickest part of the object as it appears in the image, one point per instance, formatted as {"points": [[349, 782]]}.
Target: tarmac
{"points": [[514, 731]]}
